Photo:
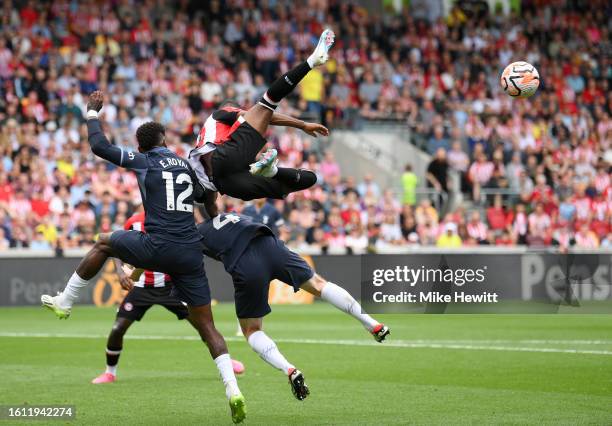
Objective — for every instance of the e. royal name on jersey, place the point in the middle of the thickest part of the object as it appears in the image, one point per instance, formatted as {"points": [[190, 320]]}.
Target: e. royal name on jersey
{"points": [[170, 161]]}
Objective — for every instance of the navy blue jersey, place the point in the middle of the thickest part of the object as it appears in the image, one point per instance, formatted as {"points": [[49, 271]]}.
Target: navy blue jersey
{"points": [[268, 215], [226, 237], [166, 184]]}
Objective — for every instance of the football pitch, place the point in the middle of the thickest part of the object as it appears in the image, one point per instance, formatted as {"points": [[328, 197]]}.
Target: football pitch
{"points": [[434, 369]]}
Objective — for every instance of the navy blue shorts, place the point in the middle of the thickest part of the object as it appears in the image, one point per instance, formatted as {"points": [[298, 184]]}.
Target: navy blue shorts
{"points": [[183, 262], [265, 259]]}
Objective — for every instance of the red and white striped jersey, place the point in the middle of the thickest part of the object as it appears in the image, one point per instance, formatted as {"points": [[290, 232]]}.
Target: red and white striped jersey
{"points": [[219, 126], [477, 230], [481, 172], [148, 278], [217, 130]]}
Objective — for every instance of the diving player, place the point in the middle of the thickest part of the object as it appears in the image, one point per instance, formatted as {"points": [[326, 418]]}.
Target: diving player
{"points": [[172, 244], [228, 144], [254, 256]]}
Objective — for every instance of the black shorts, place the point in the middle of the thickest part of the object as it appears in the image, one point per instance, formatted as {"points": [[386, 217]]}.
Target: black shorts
{"points": [[230, 165], [266, 258], [183, 262], [238, 152], [138, 301]]}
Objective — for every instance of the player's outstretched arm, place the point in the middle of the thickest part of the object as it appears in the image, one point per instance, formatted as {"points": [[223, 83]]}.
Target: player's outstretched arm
{"points": [[100, 144], [313, 129]]}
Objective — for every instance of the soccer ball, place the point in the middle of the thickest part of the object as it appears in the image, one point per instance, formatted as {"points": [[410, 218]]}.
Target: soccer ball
{"points": [[520, 79]]}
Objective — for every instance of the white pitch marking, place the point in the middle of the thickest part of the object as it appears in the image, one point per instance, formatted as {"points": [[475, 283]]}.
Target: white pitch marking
{"points": [[475, 345]]}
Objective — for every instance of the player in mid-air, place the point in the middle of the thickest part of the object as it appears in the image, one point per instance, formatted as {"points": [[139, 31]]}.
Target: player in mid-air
{"points": [[151, 288], [254, 256], [172, 244], [224, 158]]}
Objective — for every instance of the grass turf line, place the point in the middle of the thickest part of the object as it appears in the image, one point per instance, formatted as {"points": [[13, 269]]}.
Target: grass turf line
{"points": [[175, 382]]}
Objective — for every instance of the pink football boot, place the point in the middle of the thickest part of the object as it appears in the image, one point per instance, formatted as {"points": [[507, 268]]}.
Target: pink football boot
{"points": [[105, 378]]}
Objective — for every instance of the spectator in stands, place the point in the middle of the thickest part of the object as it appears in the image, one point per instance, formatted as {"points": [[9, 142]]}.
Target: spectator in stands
{"points": [[409, 185], [437, 140], [437, 175], [438, 76], [449, 238]]}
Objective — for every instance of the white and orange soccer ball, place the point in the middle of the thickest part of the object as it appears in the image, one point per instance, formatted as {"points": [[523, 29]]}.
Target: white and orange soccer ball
{"points": [[520, 79]]}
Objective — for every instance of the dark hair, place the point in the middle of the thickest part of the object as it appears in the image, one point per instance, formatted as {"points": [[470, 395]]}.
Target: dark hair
{"points": [[149, 135], [230, 103]]}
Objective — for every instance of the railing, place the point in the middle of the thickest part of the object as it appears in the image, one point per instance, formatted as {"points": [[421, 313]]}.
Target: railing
{"points": [[486, 192], [438, 199]]}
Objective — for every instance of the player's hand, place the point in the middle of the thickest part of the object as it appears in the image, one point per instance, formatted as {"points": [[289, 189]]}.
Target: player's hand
{"points": [[126, 282], [315, 129], [95, 101]]}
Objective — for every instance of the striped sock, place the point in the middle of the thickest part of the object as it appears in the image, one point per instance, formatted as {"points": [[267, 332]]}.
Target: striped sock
{"points": [[266, 102]]}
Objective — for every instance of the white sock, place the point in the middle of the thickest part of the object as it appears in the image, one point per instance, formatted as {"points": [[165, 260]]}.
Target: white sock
{"points": [[342, 300], [224, 365], [112, 369], [310, 61], [267, 350], [71, 293], [273, 171]]}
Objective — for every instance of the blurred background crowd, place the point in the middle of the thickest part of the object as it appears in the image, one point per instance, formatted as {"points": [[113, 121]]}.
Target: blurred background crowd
{"points": [[529, 172]]}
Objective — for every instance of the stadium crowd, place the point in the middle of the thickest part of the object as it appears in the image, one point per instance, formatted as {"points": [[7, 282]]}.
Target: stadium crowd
{"points": [[548, 157]]}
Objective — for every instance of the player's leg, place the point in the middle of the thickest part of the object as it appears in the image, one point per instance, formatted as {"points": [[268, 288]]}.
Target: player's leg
{"points": [[245, 186], [341, 299], [293, 270], [202, 319], [88, 268], [191, 286], [258, 340], [114, 346], [259, 115], [181, 311], [133, 308], [251, 277]]}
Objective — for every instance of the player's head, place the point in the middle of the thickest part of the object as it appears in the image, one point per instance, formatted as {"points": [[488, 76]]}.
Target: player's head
{"points": [[150, 135], [229, 103]]}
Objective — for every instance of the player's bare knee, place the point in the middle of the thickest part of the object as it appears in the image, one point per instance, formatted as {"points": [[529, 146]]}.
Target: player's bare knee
{"points": [[314, 285], [250, 326], [103, 242]]}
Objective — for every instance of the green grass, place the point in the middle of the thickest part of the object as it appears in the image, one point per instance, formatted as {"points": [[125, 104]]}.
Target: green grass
{"points": [[171, 381]]}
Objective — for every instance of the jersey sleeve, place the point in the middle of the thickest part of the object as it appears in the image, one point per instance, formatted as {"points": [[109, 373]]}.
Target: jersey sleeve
{"points": [[210, 253], [226, 115], [104, 149]]}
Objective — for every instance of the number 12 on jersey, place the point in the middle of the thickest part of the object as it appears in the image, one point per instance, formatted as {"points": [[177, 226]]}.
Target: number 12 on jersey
{"points": [[180, 204]]}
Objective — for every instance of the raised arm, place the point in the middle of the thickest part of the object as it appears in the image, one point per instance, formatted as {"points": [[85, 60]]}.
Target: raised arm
{"points": [[313, 129], [100, 144]]}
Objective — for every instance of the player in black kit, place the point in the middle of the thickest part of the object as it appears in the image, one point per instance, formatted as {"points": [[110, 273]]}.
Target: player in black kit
{"points": [[254, 256], [172, 244]]}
